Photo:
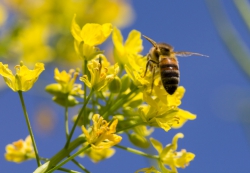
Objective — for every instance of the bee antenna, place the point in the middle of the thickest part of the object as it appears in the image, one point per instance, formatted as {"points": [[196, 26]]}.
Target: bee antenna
{"points": [[150, 40]]}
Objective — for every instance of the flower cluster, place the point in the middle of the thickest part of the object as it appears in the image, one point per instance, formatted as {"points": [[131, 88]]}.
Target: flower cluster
{"points": [[121, 92], [30, 36], [20, 151]]}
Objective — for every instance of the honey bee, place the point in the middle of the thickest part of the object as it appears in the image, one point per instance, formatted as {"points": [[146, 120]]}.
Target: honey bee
{"points": [[162, 56]]}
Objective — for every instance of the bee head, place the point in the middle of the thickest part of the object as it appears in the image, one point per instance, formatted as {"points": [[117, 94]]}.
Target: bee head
{"points": [[160, 48]]}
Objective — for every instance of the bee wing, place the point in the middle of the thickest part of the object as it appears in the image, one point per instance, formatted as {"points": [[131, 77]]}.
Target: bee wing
{"points": [[182, 53]]}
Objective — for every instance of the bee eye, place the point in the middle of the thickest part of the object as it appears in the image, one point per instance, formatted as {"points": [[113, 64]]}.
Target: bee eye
{"points": [[165, 51]]}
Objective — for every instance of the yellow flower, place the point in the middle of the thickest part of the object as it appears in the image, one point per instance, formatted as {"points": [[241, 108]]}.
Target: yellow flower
{"points": [[170, 157], [98, 155], [133, 45], [163, 111], [148, 170], [102, 134], [31, 43], [66, 88], [67, 81], [20, 151], [24, 78], [99, 75], [88, 37]]}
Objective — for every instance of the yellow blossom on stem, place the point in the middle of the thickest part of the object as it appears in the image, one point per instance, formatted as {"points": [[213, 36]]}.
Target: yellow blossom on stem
{"points": [[170, 157], [165, 113], [67, 81], [87, 38], [24, 78], [99, 75], [133, 45], [66, 88], [20, 151], [102, 134], [98, 155]]}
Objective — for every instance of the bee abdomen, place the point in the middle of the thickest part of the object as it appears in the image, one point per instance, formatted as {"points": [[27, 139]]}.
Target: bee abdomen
{"points": [[170, 77]]}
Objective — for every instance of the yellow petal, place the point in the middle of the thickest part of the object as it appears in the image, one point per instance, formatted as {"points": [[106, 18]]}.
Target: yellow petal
{"points": [[9, 78], [95, 34], [183, 117], [184, 159], [85, 131], [175, 140], [133, 43], [157, 145], [28, 77], [175, 99], [76, 30], [112, 127]]}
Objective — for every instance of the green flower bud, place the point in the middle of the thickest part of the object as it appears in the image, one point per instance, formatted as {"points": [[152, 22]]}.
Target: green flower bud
{"points": [[70, 102], [115, 85], [125, 82], [54, 89], [139, 141]]}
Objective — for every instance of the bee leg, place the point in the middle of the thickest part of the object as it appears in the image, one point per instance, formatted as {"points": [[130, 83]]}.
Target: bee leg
{"points": [[153, 80], [149, 61], [146, 69]]}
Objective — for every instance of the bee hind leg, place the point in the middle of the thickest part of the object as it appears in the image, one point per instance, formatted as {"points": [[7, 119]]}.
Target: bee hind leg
{"points": [[153, 80]]}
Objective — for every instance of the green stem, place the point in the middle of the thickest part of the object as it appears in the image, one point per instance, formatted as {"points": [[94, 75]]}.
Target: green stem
{"points": [[137, 152], [80, 166], [78, 118], [130, 127], [66, 120], [59, 156], [85, 90], [29, 127], [119, 103], [108, 103], [69, 158]]}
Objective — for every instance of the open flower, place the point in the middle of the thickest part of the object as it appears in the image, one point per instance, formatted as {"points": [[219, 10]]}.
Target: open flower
{"points": [[133, 45], [170, 157], [66, 88], [102, 134], [165, 113], [87, 38], [24, 78], [20, 151], [99, 75]]}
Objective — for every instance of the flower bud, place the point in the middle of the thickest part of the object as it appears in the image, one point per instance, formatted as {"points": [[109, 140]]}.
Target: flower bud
{"points": [[70, 102], [125, 82], [139, 141], [54, 89], [115, 85]]}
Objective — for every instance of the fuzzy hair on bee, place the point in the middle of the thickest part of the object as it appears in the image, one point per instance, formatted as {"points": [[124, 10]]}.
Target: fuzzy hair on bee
{"points": [[163, 56]]}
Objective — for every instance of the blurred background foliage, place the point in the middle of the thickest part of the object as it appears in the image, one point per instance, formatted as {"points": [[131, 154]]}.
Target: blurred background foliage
{"points": [[39, 30]]}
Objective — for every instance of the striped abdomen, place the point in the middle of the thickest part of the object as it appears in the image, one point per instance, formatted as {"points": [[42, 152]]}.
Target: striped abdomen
{"points": [[169, 73]]}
